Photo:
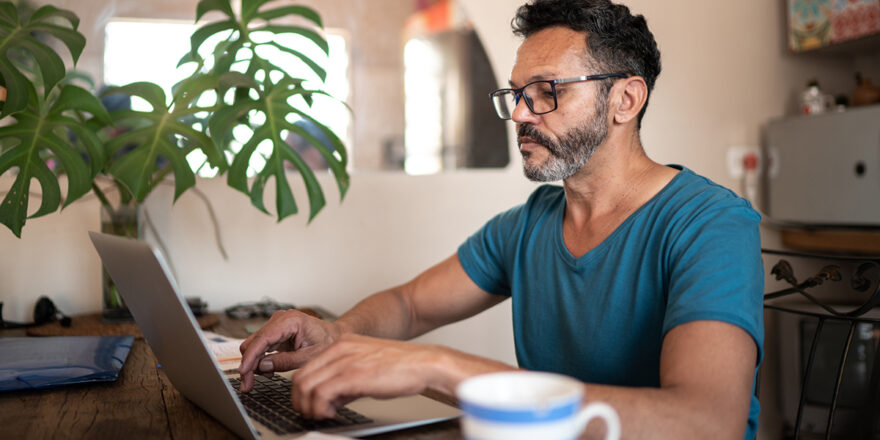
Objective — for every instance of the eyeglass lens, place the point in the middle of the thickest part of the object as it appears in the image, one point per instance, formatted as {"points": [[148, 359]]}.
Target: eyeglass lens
{"points": [[539, 96]]}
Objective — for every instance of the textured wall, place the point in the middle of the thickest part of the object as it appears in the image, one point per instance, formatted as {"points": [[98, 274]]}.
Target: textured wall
{"points": [[726, 73]]}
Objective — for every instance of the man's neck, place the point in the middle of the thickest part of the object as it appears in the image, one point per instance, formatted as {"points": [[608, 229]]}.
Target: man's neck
{"points": [[617, 180]]}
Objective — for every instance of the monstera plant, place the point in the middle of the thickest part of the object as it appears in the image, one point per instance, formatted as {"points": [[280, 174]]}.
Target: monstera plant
{"points": [[53, 127]]}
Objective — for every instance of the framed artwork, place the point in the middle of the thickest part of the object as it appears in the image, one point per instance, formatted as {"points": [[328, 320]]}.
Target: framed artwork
{"points": [[818, 23], [853, 19]]}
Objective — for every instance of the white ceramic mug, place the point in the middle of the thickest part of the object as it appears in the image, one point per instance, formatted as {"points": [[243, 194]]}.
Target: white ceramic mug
{"points": [[527, 405]]}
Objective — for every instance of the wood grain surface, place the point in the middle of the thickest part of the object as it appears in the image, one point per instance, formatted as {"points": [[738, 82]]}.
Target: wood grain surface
{"points": [[130, 407], [141, 404], [91, 325], [863, 242]]}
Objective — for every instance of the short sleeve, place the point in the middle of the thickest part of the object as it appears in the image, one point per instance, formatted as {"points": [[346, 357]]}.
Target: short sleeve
{"points": [[715, 269], [488, 255], [484, 255]]}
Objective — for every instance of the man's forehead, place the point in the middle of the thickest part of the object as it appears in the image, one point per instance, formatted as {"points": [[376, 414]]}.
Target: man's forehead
{"points": [[548, 53]]}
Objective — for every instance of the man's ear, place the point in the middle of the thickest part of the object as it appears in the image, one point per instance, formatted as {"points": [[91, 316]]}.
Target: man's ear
{"points": [[631, 93]]}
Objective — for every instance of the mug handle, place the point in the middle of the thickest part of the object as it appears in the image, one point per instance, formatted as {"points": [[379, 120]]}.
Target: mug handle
{"points": [[606, 413]]}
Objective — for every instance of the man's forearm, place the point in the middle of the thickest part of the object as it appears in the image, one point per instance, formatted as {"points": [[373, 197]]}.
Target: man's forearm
{"points": [[453, 366], [385, 314], [441, 295], [645, 413], [667, 413], [706, 377]]}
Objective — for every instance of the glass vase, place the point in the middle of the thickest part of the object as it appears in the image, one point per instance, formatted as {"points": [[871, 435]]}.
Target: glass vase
{"points": [[122, 220]]}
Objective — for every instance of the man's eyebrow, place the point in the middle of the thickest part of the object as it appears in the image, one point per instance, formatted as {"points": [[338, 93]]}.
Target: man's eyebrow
{"points": [[537, 77]]}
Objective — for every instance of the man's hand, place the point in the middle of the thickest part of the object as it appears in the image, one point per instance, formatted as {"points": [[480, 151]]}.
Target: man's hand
{"points": [[296, 336], [357, 366]]}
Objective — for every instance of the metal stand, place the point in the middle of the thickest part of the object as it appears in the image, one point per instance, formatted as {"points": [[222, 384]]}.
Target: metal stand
{"points": [[861, 289]]}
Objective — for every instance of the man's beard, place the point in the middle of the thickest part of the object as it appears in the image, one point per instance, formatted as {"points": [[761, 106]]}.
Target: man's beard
{"points": [[571, 152]]}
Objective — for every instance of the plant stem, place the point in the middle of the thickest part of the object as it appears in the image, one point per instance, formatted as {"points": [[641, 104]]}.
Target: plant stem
{"points": [[103, 198], [124, 194]]}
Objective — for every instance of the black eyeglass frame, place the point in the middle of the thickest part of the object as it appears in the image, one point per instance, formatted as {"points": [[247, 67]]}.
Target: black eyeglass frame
{"points": [[519, 93]]}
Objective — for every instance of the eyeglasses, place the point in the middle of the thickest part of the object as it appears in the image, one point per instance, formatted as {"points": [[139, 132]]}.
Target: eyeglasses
{"points": [[540, 96]]}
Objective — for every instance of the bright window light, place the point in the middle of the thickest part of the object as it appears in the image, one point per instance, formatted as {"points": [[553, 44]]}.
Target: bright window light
{"points": [[424, 124]]}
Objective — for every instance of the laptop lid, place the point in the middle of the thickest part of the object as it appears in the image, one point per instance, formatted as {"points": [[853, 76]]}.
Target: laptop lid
{"points": [[171, 330]]}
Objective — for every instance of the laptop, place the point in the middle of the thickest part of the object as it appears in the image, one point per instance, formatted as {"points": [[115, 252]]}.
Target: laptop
{"points": [[169, 327]]}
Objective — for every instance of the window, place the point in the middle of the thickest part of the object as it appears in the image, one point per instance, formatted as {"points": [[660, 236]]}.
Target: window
{"points": [[130, 57], [423, 81]]}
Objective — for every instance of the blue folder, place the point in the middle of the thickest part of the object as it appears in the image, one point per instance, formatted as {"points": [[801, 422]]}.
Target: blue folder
{"points": [[47, 362]]}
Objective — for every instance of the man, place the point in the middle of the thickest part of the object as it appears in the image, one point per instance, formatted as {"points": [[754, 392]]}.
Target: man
{"points": [[642, 280]]}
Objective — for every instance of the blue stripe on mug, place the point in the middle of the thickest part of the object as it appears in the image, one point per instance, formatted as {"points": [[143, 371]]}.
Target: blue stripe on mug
{"points": [[529, 415]]}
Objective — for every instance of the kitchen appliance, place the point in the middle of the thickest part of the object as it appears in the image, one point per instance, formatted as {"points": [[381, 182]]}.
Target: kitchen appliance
{"points": [[824, 170]]}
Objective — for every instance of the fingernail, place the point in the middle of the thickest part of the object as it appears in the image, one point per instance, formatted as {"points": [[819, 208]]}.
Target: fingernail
{"points": [[267, 365]]}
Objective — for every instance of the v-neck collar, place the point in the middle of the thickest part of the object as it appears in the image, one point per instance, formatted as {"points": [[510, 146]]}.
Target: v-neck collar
{"points": [[601, 248]]}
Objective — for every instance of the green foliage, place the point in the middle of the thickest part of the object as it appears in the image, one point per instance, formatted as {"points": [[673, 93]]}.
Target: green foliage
{"points": [[262, 98], [44, 126], [59, 122], [19, 38], [159, 135]]}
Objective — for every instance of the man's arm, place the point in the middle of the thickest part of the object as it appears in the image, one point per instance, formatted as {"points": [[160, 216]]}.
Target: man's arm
{"points": [[706, 374], [441, 295]]}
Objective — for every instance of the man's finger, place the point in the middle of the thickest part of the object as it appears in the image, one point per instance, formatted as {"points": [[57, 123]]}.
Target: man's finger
{"points": [[344, 346], [249, 359], [247, 342], [333, 393], [286, 360], [329, 365]]}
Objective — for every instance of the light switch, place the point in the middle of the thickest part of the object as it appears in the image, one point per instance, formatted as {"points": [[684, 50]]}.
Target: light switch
{"points": [[742, 159]]}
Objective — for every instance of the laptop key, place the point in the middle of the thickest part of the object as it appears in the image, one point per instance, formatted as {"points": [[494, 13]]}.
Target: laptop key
{"points": [[269, 404]]}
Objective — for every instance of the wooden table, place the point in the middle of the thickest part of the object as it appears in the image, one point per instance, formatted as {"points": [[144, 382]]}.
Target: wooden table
{"points": [[141, 404]]}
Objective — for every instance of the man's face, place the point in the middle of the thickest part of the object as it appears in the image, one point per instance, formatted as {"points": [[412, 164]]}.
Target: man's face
{"points": [[558, 144]]}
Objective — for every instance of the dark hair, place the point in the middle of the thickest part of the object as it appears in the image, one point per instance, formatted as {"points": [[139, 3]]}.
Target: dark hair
{"points": [[618, 41]]}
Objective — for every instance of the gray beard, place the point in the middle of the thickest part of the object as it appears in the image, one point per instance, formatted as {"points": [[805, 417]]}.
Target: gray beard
{"points": [[570, 153]]}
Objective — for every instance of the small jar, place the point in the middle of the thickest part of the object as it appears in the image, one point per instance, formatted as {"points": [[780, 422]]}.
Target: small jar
{"points": [[866, 93], [813, 100]]}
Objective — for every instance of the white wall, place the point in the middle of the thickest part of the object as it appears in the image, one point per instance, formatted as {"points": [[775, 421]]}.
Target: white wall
{"points": [[725, 73], [390, 227]]}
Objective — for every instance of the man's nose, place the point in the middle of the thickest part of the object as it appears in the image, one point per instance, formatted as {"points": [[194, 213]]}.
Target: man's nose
{"points": [[522, 114]]}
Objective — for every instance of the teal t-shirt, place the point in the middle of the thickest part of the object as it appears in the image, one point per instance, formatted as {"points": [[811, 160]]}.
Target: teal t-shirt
{"points": [[692, 252]]}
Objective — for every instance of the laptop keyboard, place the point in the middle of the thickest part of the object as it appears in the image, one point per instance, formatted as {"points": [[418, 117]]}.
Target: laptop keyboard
{"points": [[269, 403]]}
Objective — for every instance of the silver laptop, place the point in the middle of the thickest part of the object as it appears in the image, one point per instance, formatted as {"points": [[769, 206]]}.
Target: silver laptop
{"points": [[149, 291]]}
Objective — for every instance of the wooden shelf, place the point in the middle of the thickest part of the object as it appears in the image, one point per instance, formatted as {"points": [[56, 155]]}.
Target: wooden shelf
{"points": [[859, 46], [833, 240]]}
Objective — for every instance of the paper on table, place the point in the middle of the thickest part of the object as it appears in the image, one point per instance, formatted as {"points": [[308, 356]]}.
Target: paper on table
{"points": [[314, 435], [225, 350]]}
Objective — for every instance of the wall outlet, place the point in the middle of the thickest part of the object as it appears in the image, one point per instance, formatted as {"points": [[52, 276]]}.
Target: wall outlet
{"points": [[743, 159]]}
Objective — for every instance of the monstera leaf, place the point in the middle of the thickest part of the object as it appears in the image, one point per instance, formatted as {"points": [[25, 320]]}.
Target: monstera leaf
{"points": [[18, 39], [243, 28], [267, 100], [160, 136], [273, 104], [40, 132]]}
